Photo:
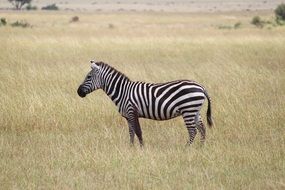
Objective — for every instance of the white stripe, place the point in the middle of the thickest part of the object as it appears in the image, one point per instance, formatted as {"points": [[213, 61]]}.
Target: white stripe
{"points": [[192, 103], [172, 95], [150, 103], [110, 84], [115, 86], [120, 87], [157, 99], [145, 100], [190, 95], [160, 86]]}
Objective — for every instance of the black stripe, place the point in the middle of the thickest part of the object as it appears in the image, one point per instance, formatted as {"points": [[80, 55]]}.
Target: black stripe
{"points": [[153, 103], [180, 103], [117, 89], [160, 91], [174, 89], [189, 106], [122, 91], [146, 98], [115, 76]]}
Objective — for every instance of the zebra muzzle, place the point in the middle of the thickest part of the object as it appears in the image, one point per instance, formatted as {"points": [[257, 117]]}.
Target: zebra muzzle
{"points": [[81, 92]]}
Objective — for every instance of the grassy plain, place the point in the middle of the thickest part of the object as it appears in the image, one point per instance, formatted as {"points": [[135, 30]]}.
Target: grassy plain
{"points": [[50, 138]]}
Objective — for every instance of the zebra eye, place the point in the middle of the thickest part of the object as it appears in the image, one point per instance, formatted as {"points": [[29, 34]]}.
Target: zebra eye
{"points": [[89, 76]]}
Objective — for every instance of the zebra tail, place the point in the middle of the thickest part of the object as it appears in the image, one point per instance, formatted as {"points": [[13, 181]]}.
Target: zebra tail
{"points": [[209, 113]]}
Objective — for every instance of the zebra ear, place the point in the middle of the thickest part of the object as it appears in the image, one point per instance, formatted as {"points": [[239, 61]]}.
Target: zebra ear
{"points": [[94, 65]]}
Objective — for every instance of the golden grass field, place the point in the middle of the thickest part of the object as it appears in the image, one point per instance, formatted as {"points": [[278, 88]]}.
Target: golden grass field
{"points": [[50, 138]]}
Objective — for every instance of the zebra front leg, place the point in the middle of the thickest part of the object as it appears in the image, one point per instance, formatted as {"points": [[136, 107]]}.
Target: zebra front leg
{"points": [[132, 134], [134, 127], [138, 132]]}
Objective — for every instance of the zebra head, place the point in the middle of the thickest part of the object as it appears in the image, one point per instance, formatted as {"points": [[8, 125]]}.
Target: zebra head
{"points": [[92, 80]]}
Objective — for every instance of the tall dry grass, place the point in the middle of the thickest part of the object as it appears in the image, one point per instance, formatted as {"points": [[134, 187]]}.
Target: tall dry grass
{"points": [[52, 139]]}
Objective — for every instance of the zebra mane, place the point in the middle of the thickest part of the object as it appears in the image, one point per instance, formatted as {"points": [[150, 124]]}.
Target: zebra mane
{"points": [[105, 65]]}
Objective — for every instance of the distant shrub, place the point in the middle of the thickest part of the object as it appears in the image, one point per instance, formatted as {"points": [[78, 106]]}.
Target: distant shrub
{"points": [[225, 27], [74, 19], [111, 26], [268, 22], [30, 7], [280, 22], [21, 23], [229, 27], [257, 22], [237, 25], [52, 7], [3, 21], [280, 12]]}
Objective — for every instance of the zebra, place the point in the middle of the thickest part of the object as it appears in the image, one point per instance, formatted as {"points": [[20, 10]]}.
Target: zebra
{"points": [[157, 101]]}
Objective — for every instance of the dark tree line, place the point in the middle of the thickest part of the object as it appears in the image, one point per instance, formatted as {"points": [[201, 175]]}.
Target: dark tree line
{"points": [[18, 4]]}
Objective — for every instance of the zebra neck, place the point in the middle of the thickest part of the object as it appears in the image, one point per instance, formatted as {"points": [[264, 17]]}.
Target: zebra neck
{"points": [[117, 87]]}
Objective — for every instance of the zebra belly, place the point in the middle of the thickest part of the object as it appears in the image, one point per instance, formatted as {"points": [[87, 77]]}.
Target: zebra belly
{"points": [[161, 119], [174, 115]]}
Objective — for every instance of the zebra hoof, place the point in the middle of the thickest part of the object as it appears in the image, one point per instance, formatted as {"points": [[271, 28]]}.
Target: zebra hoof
{"points": [[188, 144], [202, 144]]}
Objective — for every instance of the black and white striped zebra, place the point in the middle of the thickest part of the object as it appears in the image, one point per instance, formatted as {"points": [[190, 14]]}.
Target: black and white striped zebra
{"points": [[160, 101]]}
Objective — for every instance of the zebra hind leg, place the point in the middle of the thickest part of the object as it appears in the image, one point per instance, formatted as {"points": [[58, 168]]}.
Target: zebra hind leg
{"points": [[189, 119], [192, 132], [202, 130]]}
